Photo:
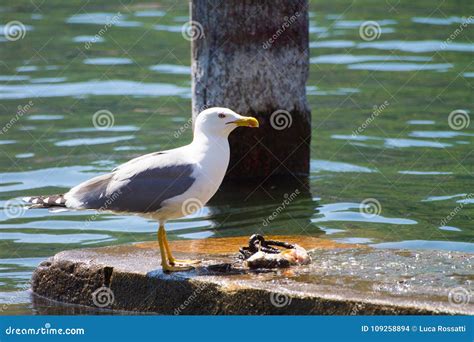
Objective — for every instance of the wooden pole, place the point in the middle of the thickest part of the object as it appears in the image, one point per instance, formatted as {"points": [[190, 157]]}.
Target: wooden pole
{"points": [[253, 56]]}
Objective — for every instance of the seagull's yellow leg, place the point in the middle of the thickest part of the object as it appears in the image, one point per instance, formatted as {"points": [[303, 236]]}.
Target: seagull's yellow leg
{"points": [[172, 259], [167, 266]]}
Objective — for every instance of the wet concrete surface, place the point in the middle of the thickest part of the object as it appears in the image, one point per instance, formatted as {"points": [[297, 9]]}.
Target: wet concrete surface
{"points": [[342, 279]]}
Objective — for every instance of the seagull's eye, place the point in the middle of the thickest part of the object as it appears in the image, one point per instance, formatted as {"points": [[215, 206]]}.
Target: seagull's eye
{"points": [[221, 115]]}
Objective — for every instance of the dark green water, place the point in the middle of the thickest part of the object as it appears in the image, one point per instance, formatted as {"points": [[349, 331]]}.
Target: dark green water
{"points": [[406, 157]]}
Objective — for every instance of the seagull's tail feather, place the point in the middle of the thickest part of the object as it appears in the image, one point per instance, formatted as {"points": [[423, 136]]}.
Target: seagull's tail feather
{"points": [[50, 201]]}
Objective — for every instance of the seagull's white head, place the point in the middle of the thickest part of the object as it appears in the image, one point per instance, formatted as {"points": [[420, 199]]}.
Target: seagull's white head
{"points": [[219, 121]]}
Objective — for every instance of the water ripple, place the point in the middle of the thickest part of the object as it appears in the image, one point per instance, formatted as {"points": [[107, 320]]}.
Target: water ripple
{"points": [[107, 61], [95, 88], [332, 166], [102, 18], [93, 141], [339, 212]]}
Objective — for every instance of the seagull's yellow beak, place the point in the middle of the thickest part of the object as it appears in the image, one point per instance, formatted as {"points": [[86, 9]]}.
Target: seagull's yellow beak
{"points": [[246, 121]]}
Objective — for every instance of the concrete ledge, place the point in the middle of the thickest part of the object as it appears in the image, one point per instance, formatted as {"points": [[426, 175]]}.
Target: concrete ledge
{"points": [[342, 280]]}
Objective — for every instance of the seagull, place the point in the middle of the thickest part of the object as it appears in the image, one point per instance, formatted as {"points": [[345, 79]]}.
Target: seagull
{"points": [[161, 185]]}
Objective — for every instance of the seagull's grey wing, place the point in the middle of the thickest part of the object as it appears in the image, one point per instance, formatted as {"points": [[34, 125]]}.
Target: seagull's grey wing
{"points": [[88, 194], [140, 186]]}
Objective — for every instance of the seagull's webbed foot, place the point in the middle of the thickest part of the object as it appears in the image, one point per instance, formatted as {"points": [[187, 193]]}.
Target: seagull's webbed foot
{"points": [[174, 261], [168, 262], [172, 268]]}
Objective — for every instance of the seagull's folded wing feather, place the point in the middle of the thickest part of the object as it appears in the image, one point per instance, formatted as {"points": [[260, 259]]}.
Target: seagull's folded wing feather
{"points": [[140, 185]]}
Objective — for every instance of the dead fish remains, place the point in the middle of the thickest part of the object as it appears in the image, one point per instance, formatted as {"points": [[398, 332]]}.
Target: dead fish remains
{"points": [[262, 253]]}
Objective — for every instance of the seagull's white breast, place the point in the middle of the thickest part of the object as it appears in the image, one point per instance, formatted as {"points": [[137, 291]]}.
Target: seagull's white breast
{"points": [[210, 162]]}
